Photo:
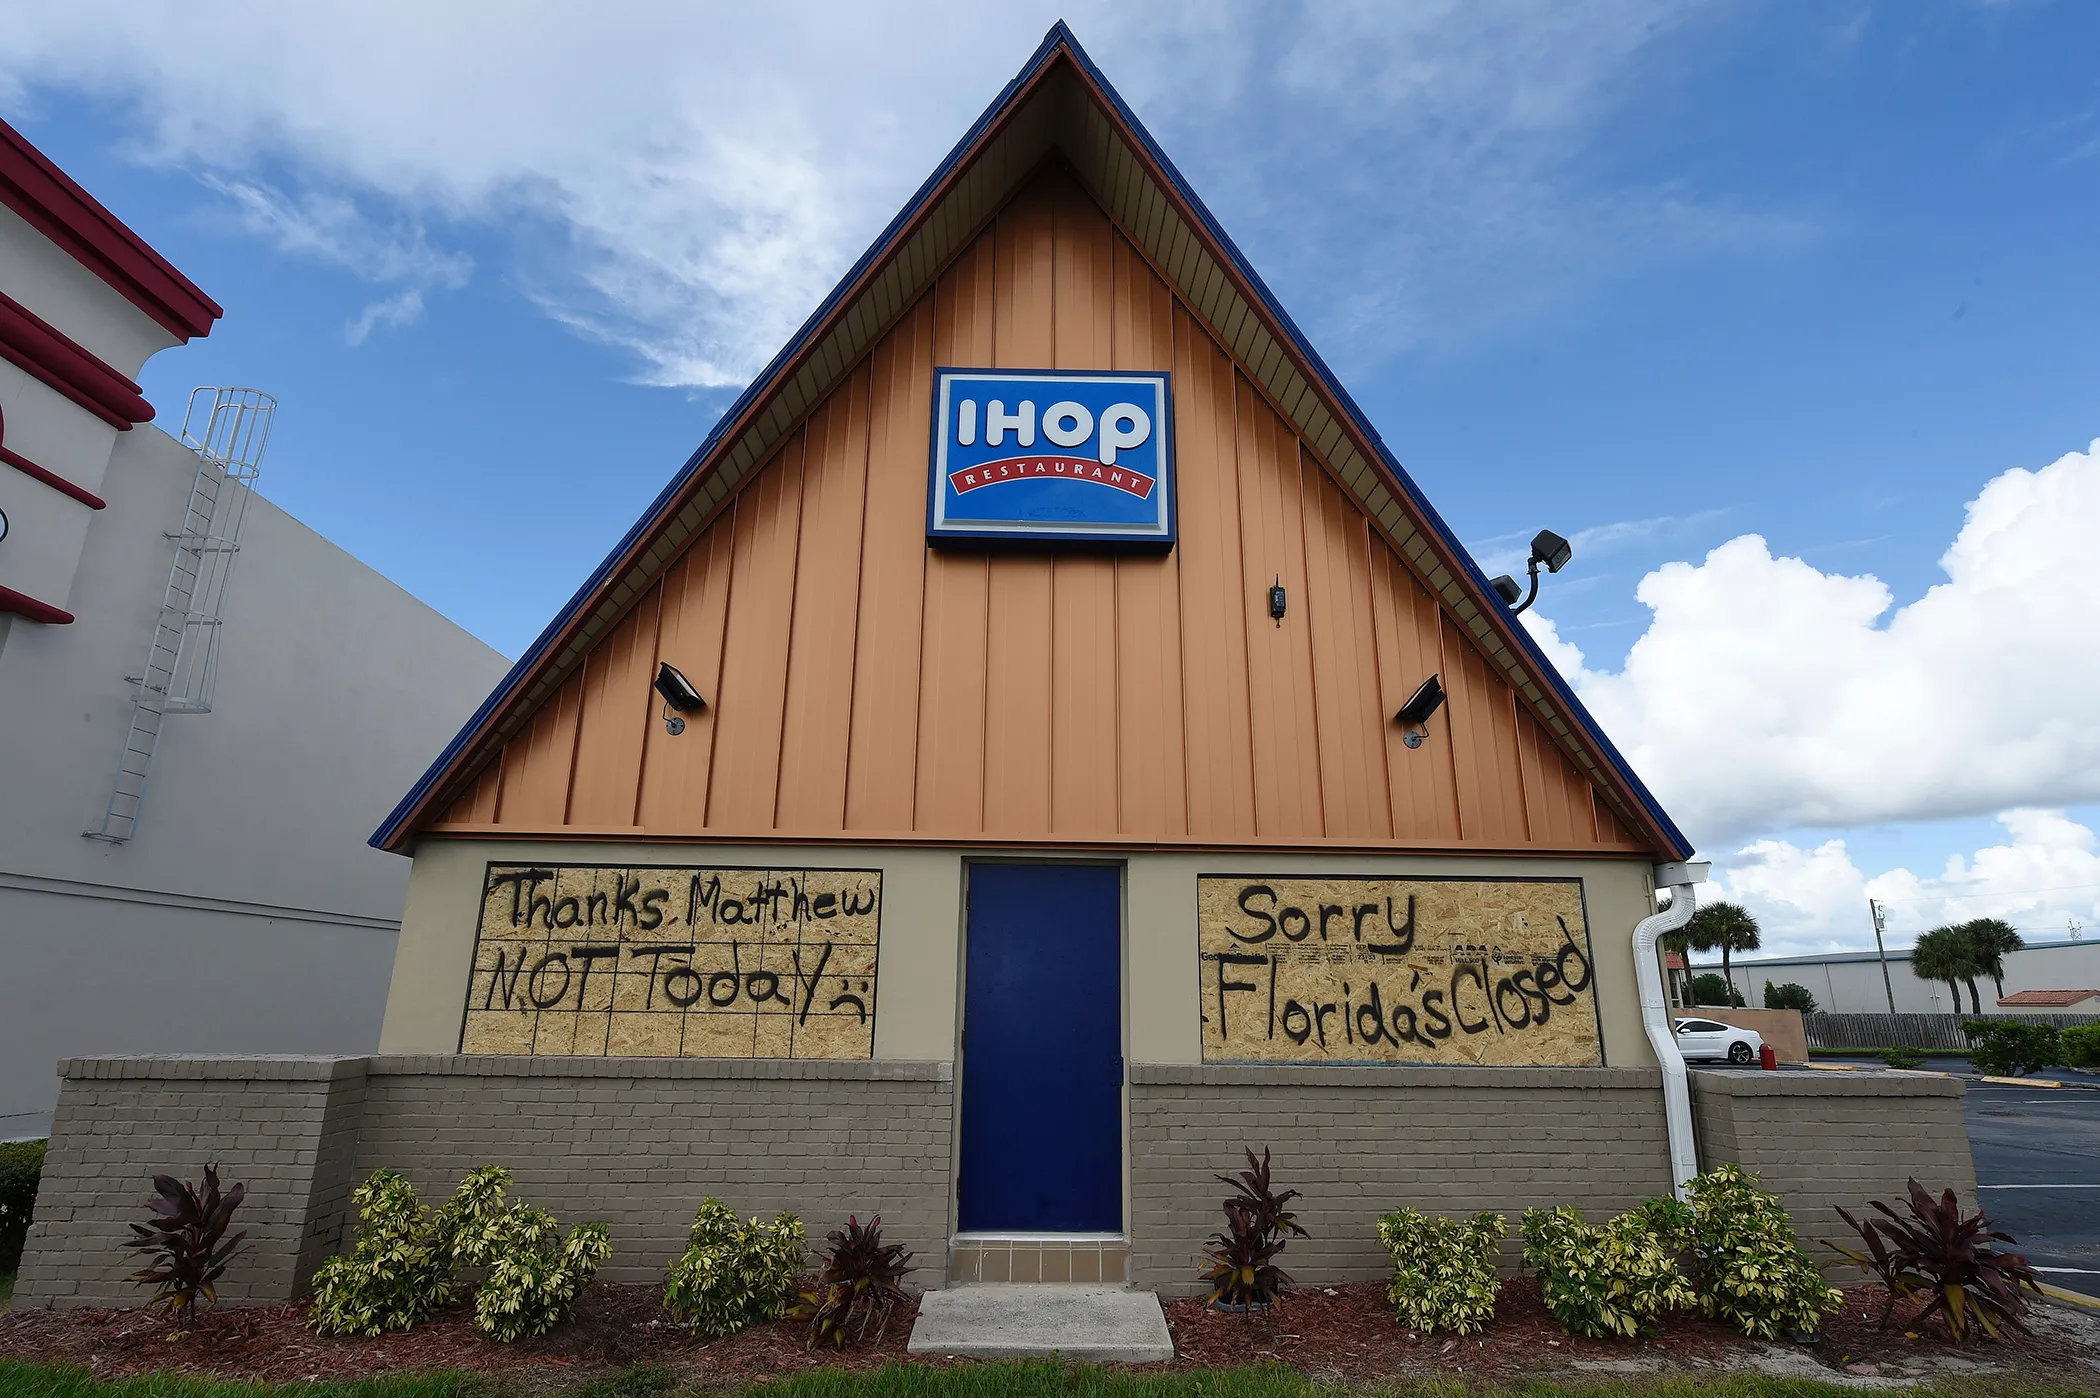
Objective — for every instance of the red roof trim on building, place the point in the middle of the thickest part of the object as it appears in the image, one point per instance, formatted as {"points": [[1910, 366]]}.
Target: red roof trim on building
{"points": [[47, 198], [23, 605], [38, 348], [51, 478]]}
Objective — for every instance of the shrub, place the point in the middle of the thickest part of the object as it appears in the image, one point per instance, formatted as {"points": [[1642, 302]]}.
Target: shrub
{"points": [[398, 1274], [1610, 1279], [184, 1238], [1712, 988], [1443, 1269], [857, 1290], [2080, 1048], [21, 1167], [531, 1274], [1747, 1265], [405, 1264], [1900, 1057], [1243, 1270], [732, 1273], [1791, 996], [1938, 1253], [2005, 1048]]}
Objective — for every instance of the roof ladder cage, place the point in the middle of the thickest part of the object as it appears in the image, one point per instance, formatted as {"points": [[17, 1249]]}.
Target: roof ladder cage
{"points": [[227, 428]]}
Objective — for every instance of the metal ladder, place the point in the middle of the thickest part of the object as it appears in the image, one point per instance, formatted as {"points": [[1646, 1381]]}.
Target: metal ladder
{"points": [[227, 428]]}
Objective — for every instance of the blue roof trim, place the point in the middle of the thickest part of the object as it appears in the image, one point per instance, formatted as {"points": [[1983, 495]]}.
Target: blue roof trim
{"points": [[1059, 37]]}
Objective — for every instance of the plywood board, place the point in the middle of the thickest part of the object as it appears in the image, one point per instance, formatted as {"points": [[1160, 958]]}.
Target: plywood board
{"points": [[672, 961], [1334, 969]]}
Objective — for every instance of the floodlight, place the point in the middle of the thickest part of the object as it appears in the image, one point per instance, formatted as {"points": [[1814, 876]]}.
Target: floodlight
{"points": [[1420, 707], [677, 690], [1549, 550]]}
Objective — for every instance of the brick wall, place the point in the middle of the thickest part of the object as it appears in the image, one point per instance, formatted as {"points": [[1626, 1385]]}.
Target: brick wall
{"points": [[635, 1143], [1364, 1141], [273, 1124], [638, 1143], [1825, 1139]]}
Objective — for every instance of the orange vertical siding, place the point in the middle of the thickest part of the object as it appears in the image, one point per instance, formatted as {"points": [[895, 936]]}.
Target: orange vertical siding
{"points": [[862, 684], [887, 665], [1151, 788], [827, 613], [1352, 727], [745, 783]]}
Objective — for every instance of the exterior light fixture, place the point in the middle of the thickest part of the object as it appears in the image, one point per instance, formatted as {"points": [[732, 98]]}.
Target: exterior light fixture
{"points": [[1548, 549], [1277, 600], [1420, 707], [679, 694]]}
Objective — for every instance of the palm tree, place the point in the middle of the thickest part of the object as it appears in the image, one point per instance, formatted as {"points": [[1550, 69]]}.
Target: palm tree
{"points": [[1992, 939], [1947, 954], [1724, 927]]}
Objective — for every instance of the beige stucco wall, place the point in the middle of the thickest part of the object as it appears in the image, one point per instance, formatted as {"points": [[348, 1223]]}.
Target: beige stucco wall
{"points": [[921, 958]]}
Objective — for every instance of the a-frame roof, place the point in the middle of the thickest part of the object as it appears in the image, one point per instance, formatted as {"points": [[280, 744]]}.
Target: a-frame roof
{"points": [[1059, 104]]}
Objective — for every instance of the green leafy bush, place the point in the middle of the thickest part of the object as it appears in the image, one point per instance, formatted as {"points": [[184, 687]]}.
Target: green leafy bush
{"points": [[1791, 996], [732, 1273], [531, 1274], [2005, 1048], [1602, 1280], [404, 1267], [21, 1168], [1899, 1057], [2080, 1048], [1443, 1269], [398, 1274], [1748, 1266], [1712, 988]]}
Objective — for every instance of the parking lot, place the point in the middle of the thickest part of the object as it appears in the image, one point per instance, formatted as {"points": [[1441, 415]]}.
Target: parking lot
{"points": [[2038, 1174]]}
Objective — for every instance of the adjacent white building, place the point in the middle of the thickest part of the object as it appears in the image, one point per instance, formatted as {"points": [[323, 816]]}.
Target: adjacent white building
{"points": [[1850, 982], [219, 896]]}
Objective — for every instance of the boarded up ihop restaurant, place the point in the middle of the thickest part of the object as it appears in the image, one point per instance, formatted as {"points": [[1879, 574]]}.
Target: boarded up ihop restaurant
{"points": [[998, 780]]}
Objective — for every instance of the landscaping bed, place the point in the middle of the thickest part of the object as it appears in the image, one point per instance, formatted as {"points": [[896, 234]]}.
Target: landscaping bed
{"points": [[1342, 1335]]}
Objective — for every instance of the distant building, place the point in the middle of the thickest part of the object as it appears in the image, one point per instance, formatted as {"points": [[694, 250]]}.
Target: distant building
{"points": [[174, 879], [1850, 982]]}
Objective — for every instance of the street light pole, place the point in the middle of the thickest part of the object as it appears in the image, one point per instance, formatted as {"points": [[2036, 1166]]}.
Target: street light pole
{"points": [[1875, 908]]}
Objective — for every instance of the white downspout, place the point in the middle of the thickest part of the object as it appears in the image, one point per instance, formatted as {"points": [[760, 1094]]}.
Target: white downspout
{"points": [[1655, 1013]]}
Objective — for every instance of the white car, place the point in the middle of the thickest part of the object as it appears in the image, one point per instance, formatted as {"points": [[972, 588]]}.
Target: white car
{"points": [[1709, 1038]]}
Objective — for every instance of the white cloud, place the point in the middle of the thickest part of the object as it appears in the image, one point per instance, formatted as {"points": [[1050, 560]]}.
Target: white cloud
{"points": [[687, 181], [2045, 876], [1767, 694], [405, 308]]}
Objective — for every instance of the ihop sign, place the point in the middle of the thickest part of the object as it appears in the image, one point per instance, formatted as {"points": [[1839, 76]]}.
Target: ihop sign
{"points": [[1046, 455]]}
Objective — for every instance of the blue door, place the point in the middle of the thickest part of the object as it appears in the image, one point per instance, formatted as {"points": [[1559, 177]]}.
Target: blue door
{"points": [[1042, 1115]]}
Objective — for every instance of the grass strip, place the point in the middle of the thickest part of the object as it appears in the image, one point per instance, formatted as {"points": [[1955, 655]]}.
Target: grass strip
{"points": [[18, 1380]]}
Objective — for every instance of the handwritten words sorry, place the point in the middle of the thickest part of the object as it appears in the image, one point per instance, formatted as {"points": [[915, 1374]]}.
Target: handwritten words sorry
{"points": [[663, 962], [1329, 969]]}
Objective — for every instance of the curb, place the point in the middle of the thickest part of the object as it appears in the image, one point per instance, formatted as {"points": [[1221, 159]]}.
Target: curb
{"points": [[2070, 1298]]}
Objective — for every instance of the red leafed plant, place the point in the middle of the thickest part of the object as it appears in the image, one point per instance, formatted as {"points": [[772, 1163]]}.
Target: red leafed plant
{"points": [[1938, 1253], [184, 1241], [857, 1291], [1243, 1273]]}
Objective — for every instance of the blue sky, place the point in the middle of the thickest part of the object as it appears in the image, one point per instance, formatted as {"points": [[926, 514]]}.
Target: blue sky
{"points": [[1658, 276]]}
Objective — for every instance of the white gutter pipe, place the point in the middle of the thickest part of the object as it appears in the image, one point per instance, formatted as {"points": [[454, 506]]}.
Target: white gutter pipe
{"points": [[1655, 1013]]}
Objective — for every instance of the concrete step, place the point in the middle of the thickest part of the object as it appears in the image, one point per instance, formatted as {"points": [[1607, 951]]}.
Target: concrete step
{"points": [[1019, 1321]]}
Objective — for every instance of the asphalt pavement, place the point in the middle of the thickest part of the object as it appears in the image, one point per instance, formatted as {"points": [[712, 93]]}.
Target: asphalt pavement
{"points": [[2037, 1153]]}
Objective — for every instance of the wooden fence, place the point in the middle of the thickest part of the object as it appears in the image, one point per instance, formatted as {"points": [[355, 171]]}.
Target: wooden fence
{"points": [[1827, 1031]]}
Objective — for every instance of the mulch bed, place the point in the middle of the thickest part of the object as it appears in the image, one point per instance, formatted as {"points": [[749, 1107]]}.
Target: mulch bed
{"points": [[1340, 1334]]}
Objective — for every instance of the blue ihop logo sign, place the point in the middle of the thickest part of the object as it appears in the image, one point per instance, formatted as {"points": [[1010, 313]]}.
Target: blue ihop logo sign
{"points": [[1043, 455]]}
